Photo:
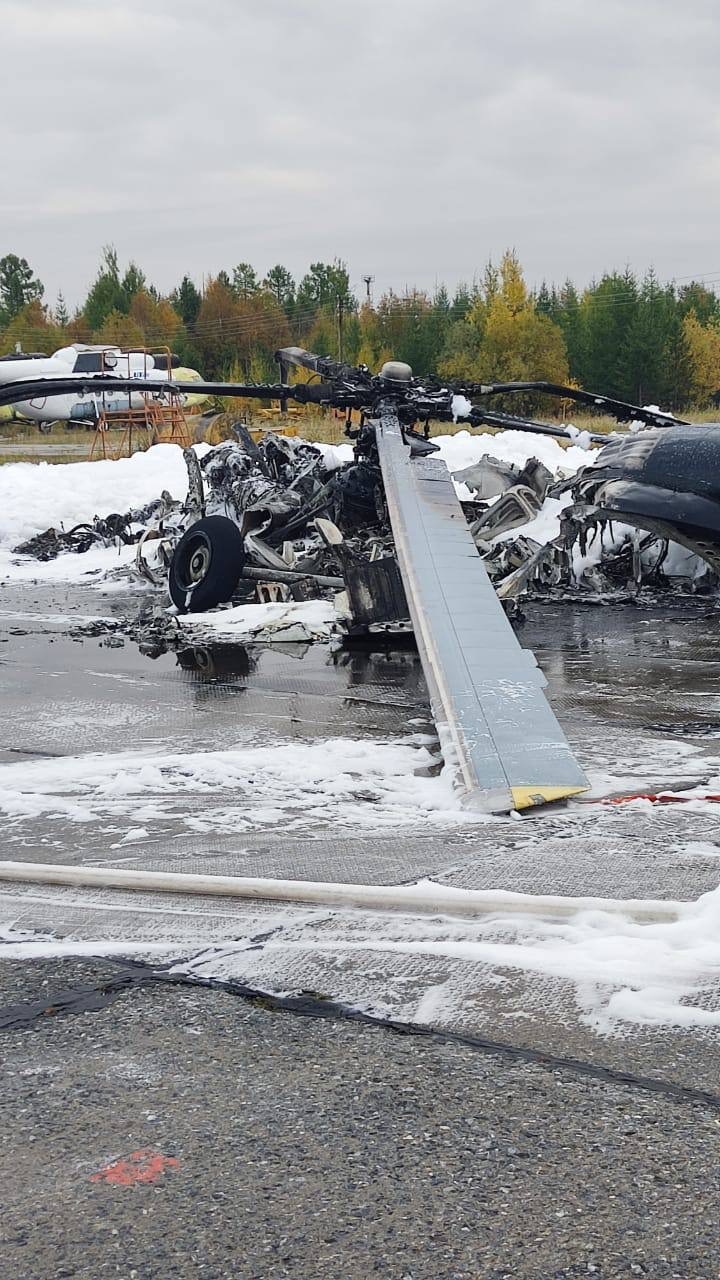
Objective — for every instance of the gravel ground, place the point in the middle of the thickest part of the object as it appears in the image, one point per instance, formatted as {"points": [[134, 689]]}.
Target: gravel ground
{"points": [[325, 1149]]}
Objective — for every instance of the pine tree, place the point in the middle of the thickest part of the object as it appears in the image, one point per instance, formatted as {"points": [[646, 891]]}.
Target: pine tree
{"points": [[570, 320], [325, 286], [409, 329], [679, 375], [187, 301], [461, 303], [132, 283], [698, 298], [608, 310], [645, 358], [244, 282], [106, 294], [18, 286], [61, 312], [281, 285]]}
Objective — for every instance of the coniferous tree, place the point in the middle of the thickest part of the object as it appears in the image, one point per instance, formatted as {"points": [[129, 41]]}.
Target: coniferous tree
{"points": [[571, 321], [703, 348], [133, 282], [698, 298], [61, 312], [106, 294], [644, 360], [325, 287], [244, 282], [18, 286], [281, 285], [187, 301], [546, 302], [642, 341], [461, 303], [679, 376], [504, 338], [608, 310]]}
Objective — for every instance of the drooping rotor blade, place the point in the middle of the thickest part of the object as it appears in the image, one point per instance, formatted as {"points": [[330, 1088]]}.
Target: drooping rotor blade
{"points": [[92, 384], [618, 409], [322, 365], [343, 387], [510, 422]]}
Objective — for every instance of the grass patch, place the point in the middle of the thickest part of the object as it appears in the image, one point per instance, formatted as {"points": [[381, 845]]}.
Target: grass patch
{"points": [[8, 458]]}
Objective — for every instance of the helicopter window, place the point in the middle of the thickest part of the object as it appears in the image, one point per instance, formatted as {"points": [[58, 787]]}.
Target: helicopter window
{"points": [[88, 362]]}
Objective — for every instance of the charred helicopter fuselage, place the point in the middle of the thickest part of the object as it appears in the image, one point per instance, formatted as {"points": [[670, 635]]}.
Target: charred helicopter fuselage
{"points": [[276, 516], [665, 481], [663, 478]]}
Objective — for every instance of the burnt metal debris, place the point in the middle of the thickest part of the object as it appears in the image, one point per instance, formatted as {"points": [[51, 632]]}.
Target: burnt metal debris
{"points": [[657, 482], [274, 519]]}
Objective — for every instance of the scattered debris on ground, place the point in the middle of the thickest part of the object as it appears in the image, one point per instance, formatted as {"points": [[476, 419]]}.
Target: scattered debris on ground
{"points": [[295, 523], [300, 544]]}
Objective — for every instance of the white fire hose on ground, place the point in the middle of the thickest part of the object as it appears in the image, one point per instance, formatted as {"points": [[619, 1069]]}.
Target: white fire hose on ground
{"points": [[423, 898]]}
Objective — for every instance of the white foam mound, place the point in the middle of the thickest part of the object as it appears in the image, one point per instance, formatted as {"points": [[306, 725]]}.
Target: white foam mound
{"points": [[39, 496], [291, 622], [466, 447], [35, 496]]}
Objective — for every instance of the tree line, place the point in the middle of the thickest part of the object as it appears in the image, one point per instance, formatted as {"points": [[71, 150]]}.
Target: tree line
{"points": [[635, 339]]}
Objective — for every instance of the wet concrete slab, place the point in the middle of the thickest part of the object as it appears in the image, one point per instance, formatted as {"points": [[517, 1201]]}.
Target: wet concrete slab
{"points": [[635, 688]]}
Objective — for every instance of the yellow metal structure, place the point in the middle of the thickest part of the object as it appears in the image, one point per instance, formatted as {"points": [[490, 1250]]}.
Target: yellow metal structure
{"points": [[155, 422]]}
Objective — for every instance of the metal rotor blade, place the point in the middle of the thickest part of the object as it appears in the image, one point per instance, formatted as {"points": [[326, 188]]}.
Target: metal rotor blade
{"points": [[618, 409]]}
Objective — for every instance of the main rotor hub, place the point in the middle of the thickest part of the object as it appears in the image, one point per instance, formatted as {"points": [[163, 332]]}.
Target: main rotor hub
{"points": [[396, 373]]}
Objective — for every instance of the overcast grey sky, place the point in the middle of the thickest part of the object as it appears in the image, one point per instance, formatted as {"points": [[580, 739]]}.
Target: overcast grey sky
{"points": [[413, 138]]}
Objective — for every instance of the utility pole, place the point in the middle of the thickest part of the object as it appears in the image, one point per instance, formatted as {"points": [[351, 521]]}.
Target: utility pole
{"points": [[340, 325], [368, 281], [283, 380]]}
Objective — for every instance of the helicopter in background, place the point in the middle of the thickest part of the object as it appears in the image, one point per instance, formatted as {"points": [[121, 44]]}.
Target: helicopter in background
{"points": [[83, 407]]}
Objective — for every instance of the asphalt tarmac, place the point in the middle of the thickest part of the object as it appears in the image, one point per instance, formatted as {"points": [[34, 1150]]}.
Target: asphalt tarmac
{"points": [[277, 1144], [186, 1133]]}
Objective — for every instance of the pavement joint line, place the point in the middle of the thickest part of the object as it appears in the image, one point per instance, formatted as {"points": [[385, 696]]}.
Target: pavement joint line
{"points": [[135, 975]]}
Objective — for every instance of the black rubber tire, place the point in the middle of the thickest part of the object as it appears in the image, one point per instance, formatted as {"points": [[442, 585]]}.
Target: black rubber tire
{"points": [[206, 565]]}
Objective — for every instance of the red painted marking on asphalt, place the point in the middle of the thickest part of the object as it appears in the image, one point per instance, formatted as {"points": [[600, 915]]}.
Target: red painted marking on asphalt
{"points": [[139, 1166]]}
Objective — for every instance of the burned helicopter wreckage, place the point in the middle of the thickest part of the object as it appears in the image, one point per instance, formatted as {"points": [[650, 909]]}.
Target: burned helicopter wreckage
{"points": [[657, 484], [388, 528]]}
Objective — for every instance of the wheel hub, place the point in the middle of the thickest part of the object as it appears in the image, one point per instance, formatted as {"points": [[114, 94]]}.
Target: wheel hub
{"points": [[199, 564]]}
